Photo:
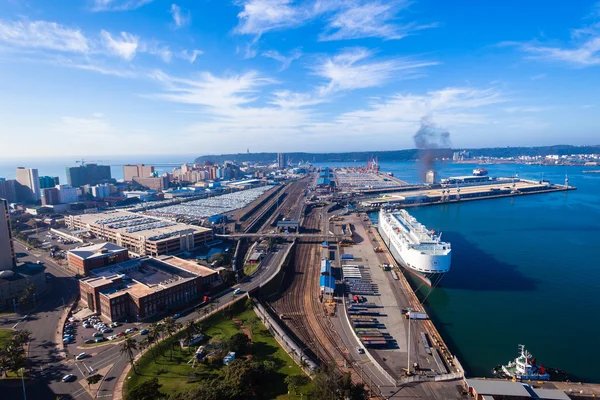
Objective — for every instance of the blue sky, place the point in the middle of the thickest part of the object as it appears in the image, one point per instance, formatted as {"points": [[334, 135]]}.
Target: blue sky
{"points": [[97, 77]]}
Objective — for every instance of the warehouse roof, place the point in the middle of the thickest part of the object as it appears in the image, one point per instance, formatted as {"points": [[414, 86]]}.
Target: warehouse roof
{"points": [[327, 281], [98, 250], [498, 388]]}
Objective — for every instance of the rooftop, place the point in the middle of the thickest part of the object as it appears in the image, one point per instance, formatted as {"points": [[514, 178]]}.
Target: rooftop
{"points": [[125, 222], [146, 275], [98, 250]]}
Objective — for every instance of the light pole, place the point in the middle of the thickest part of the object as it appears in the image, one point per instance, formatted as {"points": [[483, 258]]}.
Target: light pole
{"points": [[408, 349], [23, 382]]}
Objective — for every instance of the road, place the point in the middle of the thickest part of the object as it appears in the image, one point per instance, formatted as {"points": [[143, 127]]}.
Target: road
{"points": [[50, 364]]}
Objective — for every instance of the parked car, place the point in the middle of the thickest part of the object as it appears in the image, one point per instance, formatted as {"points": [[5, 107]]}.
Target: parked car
{"points": [[98, 334], [100, 340], [107, 330], [68, 378], [144, 332], [121, 334], [176, 316], [67, 340], [80, 356], [128, 331], [89, 341]]}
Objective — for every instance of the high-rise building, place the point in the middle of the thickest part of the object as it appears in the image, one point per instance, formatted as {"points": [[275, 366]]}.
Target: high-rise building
{"points": [[67, 194], [157, 183], [28, 189], [431, 177], [139, 170], [48, 181], [50, 196], [281, 160], [8, 190], [7, 251], [88, 174]]}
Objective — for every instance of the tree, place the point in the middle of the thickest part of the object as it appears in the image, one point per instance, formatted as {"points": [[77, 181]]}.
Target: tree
{"points": [[129, 347], [27, 293], [295, 381], [92, 380], [228, 277], [21, 337], [245, 378], [154, 331], [148, 390], [170, 327], [238, 343], [190, 330], [331, 385], [249, 304]]}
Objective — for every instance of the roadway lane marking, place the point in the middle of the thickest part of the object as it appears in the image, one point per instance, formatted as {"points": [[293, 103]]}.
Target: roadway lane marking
{"points": [[107, 361], [80, 371]]}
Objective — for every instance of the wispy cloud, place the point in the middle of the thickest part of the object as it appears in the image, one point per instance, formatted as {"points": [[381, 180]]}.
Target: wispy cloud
{"points": [[124, 46], [357, 20], [118, 5], [537, 77], [523, 109], [180, 19], [583, 49], [190, 55], [348, 19], [285, 61], [43, 35], [351, 69]]}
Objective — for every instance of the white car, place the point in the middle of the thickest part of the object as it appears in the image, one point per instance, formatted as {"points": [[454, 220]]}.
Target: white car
{"points": [[68, 378], [128, 331], [80, 356]]}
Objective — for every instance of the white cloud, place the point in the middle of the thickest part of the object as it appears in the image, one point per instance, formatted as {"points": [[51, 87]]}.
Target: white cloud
{"points": [[588, 106], [523, 109], [346, 19], [190, 55], [285, 61], [118, 5], [370, 19], [125, 47], [180, 19], [582, 51], [349, 70], [43, 35], [539, 76], [260, 16]]}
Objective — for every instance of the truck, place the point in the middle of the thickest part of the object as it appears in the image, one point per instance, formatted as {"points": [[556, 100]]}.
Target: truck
{"points": [[415, 315]]}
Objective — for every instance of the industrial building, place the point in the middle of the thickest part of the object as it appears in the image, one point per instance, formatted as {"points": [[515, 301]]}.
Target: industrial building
{"points": [[100, 191], [139, 171], [85, 259], [140, 234], [157, 183], [28, 188], [494, 389], [88, 174], [144, 287]]}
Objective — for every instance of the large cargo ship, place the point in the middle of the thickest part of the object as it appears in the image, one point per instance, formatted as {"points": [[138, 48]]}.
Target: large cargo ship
{"points": [[418, 250]]}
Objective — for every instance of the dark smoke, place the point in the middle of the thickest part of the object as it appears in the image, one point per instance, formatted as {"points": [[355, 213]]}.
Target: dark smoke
{"points": [[430, 139]]}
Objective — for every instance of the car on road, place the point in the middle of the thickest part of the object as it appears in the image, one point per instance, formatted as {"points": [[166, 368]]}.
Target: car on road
{"points": [[144, 332], [89, 341], [100, 340], [98, 334], [48, 276], [360, 350], [237, 291], [80, 356], [69, 378], [176, 316]]}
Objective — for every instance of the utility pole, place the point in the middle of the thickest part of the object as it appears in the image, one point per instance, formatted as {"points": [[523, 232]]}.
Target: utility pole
{"points": [[23, 382]]}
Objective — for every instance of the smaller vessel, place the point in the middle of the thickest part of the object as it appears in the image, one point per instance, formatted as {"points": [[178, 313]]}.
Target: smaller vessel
{"points": [[525, 367], [480, 172]]}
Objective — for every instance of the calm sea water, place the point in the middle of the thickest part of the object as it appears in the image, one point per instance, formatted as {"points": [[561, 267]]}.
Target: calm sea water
{"points": [[525, 270]]}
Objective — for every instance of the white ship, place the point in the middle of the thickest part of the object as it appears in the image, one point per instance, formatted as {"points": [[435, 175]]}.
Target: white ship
{"points": [[525, 367], [420, 251]]}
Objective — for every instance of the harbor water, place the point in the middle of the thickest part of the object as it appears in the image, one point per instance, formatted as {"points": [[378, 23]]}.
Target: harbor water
{"points": [[525, 270]]}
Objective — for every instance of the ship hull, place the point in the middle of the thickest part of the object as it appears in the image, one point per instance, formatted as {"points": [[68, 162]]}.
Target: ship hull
{"points": [[428, 268]]}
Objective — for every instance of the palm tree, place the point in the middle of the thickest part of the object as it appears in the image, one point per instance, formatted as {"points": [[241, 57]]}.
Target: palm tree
{"points": [[128, 347], [21, 337], [190, 330], [170, 328]]}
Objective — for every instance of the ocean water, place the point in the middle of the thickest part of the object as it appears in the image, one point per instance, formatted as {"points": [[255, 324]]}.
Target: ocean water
{"points": [[525, 270]]}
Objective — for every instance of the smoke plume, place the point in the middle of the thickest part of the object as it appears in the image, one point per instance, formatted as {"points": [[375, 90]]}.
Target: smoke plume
{"points": [[429, 139]]}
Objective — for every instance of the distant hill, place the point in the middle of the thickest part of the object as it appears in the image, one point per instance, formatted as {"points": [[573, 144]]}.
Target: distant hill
{"points": [[400, 155]]}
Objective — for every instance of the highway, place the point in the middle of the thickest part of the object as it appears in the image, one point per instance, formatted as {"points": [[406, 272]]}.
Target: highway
{"points": [[50, 364]]}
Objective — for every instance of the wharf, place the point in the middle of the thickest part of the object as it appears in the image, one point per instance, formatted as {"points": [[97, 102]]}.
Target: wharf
{"points": [[421, 196], [391, 296]]}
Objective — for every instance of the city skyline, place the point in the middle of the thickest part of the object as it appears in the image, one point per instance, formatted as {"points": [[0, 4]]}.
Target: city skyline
{"points": [[146, 77]]}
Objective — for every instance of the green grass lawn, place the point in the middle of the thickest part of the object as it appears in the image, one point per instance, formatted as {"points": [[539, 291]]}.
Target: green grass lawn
{"points": [[250, 268], [176, 374], [5, 336]]}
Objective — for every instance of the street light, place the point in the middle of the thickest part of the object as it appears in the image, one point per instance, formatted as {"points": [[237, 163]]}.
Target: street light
{"points": [[408, 350]]}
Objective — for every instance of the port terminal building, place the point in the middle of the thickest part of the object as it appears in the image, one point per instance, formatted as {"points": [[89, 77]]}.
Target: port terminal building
{"points": [[143, 287], [140, 234]]}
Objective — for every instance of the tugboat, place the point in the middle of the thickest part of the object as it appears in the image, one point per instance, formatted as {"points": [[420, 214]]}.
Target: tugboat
{"points": [[480, 172], [524, 367]]}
